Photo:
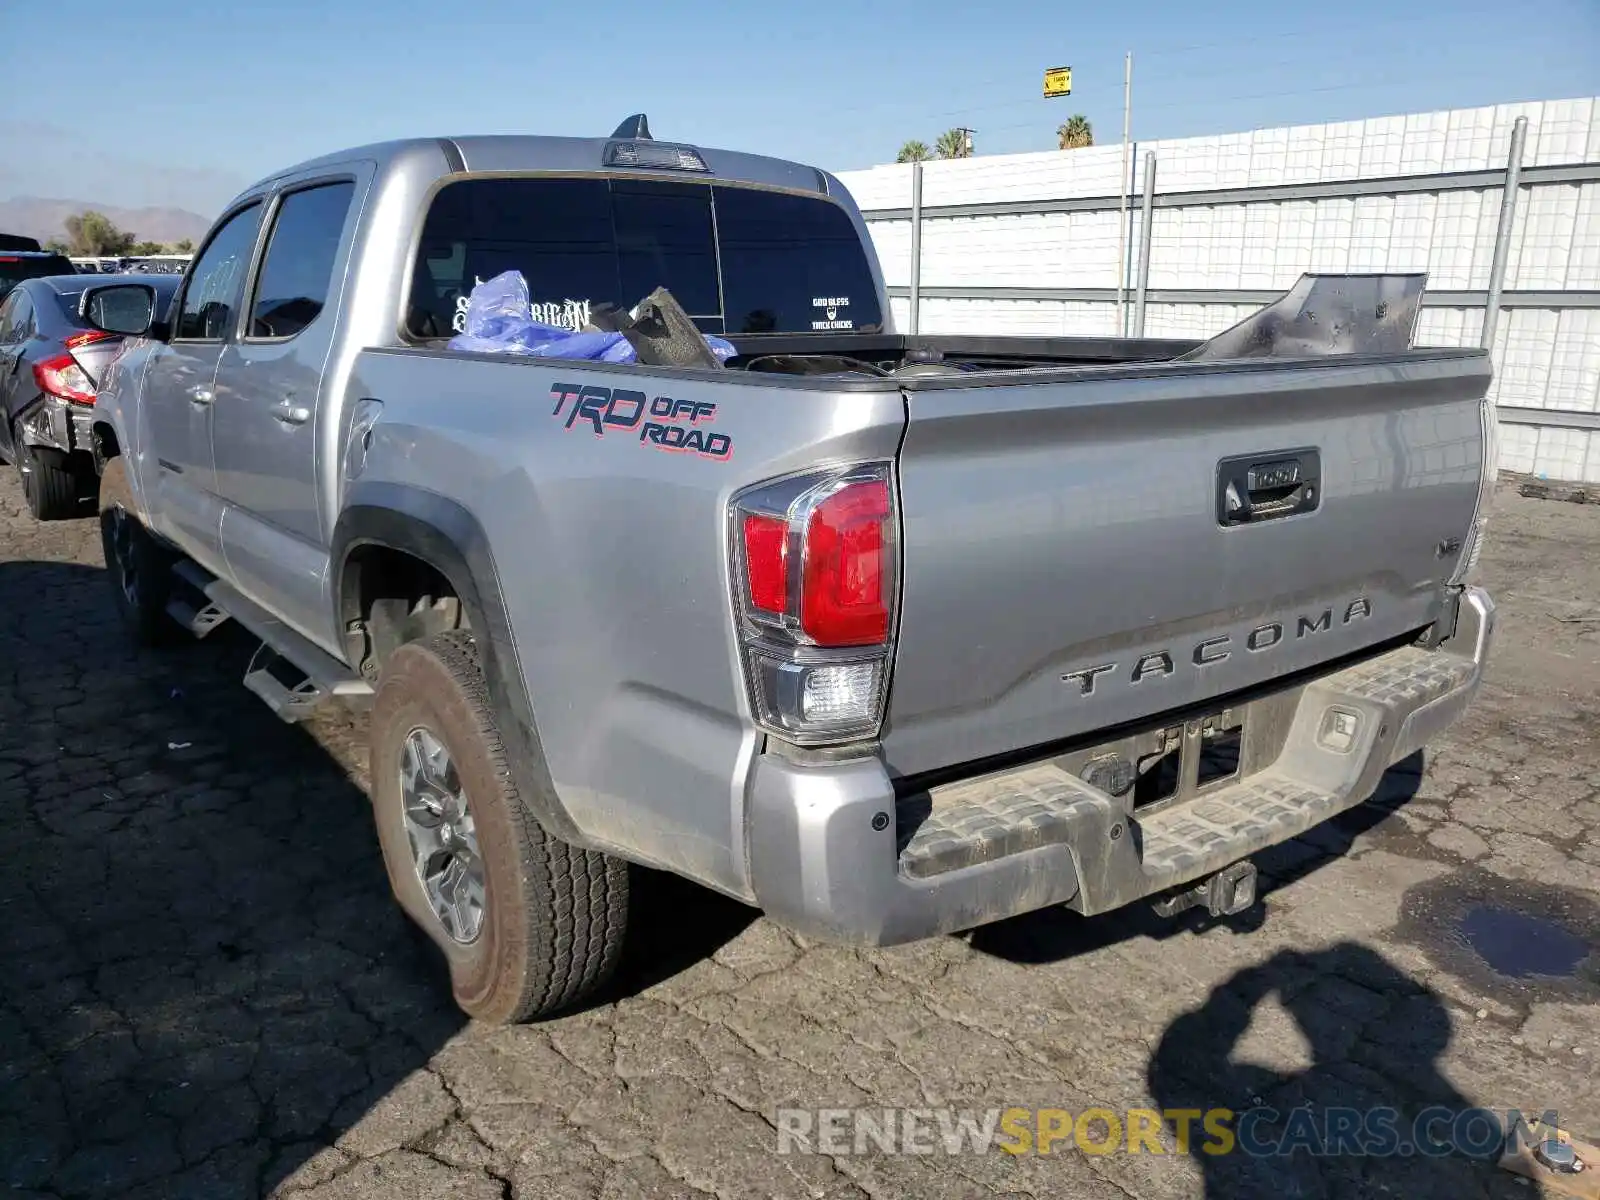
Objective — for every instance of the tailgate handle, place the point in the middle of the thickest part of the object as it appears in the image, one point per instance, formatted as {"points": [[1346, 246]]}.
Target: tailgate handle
{"points": [[1252, 488]]}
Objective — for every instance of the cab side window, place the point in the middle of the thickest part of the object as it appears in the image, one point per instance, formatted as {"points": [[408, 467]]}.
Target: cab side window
{"points": [[297, 272], [206, 311]]}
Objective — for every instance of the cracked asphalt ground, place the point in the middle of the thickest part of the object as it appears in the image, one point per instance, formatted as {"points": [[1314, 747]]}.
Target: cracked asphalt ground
{"points": [[207, 993]]}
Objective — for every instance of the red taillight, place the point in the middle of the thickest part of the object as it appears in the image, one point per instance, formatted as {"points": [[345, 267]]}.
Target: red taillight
{"points": [[766, 559], [816, 563], [842, 597], [62, 376], [86, 338]]}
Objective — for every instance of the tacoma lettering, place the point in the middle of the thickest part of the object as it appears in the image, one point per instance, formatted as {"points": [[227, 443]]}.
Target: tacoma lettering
{"points": [[1153, 664], [1212, 650], [1259, 638], [1321, 625]]}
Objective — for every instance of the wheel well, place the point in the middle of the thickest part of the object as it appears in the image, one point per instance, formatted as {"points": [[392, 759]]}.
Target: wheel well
{"points": [[105, 445], [389, 598]]}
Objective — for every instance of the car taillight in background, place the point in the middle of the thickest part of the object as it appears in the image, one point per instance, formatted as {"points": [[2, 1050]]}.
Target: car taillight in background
{"points": [[62, 376], [87, 338], [816, 558]]}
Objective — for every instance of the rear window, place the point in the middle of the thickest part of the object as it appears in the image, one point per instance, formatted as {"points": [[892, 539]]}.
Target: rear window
{"points": [[739, 259], [14, 268]]}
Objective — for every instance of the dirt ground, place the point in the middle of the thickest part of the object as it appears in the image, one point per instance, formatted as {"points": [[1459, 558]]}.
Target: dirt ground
{"points": [[207, 992]]}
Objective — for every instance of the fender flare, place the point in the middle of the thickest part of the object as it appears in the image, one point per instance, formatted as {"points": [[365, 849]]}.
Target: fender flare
{"points": [[450, 539]]}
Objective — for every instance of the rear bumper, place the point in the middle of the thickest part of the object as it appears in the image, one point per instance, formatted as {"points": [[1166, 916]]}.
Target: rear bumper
{"points": [[834, 853], [59, 425]]}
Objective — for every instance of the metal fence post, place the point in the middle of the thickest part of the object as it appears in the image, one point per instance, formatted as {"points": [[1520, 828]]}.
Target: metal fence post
{"points": [[916, 244], [1502, 236], [1146, 218]]}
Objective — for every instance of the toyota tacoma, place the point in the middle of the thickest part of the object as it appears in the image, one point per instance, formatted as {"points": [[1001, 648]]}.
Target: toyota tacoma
{"points": [[888, 635]]}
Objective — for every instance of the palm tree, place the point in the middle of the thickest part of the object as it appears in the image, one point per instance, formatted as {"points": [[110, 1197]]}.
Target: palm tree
{"points": [[914, 151], [953, 143], [1075, 133]]}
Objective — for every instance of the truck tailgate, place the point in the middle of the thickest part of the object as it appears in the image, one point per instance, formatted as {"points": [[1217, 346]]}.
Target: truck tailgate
{"points": [[1072, 558]]}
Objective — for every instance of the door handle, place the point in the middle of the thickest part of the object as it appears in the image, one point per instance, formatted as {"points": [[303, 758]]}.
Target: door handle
{"points": [[201, 395], [1264, 487], [291, 414]]}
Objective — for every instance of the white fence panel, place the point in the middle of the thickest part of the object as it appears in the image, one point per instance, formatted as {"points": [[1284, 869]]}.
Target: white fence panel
{"points": [[1028, 243]]}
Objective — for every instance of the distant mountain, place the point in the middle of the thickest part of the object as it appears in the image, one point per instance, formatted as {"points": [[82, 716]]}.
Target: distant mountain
{"points": [[46, 219]]}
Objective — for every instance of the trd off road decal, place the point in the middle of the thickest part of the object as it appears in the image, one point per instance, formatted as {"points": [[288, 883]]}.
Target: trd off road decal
{"points": [[662, 422]]}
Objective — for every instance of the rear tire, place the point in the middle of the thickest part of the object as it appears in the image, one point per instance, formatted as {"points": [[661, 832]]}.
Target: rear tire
{"points": [[139, 569], [49, 483], [549, 921]]}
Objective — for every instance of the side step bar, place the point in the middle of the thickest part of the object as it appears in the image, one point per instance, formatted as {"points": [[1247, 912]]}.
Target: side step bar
{"points": [[287, 690], [293, 675], [189, 606]]}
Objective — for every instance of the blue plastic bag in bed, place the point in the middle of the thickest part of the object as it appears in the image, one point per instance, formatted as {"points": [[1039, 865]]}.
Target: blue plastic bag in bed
{"points": [[499, 321]]}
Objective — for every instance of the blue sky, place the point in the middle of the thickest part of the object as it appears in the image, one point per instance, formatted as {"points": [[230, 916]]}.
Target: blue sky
{"points": [[212, 101]]}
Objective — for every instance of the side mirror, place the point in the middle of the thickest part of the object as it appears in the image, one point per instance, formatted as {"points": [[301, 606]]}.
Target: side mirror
{"points": [[128, 309]]}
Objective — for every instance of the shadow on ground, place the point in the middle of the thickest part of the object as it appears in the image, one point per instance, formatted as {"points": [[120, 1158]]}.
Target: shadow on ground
{"points": [[1370, 1115], [673, 924], [1373, 1034], [1055, 934], [206, 982]]}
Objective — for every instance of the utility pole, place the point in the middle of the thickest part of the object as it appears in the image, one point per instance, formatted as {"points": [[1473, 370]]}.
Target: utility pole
{"points": [[1122, 187], [967, 134]]}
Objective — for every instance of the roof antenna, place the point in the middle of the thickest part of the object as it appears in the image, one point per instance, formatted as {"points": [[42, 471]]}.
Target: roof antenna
{"points": [[636, 127]]}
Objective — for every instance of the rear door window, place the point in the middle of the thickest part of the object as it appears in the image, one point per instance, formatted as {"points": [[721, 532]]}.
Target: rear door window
{"points": [[20, 325], [297, 272], [12, 311]]}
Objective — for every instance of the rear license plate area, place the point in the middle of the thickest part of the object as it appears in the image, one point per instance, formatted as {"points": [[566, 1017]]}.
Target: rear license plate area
{"points": [[1190, 759]]}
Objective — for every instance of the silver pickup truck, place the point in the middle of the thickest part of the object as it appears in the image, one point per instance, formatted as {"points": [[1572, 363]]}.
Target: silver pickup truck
{"points": [[887, 635]]}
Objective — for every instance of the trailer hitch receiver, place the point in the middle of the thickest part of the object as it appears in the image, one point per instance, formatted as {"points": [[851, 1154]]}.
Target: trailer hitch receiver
{"points": [[1229, 891]]}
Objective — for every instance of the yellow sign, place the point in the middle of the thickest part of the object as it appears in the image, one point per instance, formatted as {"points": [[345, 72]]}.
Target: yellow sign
{"points": [[1058, 81]]}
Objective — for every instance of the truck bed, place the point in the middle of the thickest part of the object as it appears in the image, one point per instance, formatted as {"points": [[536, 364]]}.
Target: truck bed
{"points": [[991, 352]]}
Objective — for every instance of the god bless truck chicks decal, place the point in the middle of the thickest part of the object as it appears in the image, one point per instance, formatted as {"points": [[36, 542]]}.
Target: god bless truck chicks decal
{"points": [[662, 422]]}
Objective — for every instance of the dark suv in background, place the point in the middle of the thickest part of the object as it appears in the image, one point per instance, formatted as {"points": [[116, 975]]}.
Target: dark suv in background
{"points": [[17, 265]]}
